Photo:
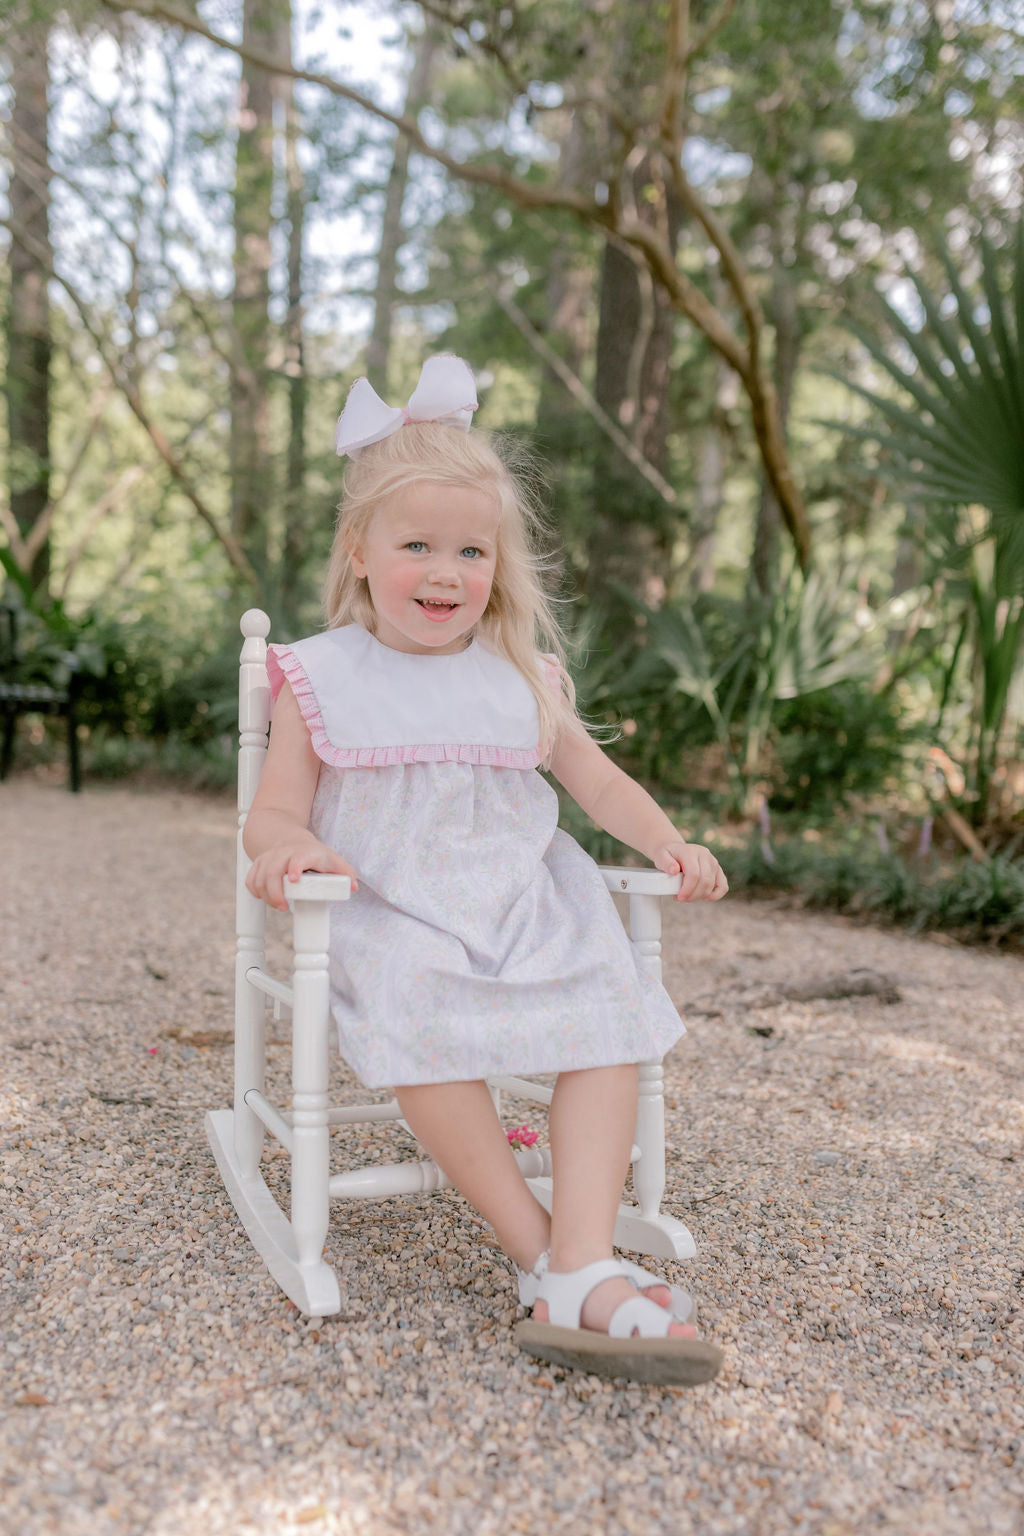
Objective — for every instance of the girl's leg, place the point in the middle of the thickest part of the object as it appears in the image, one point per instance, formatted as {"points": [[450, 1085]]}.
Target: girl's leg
{"points": [[457, 1124], [591, 1125], [592, 1120]]}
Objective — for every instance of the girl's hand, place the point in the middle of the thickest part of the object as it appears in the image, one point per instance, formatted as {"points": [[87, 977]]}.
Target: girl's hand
{"points": [[703, 879], [289, 860]]}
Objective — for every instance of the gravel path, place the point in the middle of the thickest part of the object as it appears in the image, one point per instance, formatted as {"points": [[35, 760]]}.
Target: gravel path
{"points": [[851, 1168]]}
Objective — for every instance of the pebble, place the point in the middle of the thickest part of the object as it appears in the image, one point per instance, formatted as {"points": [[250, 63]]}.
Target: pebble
{"points": [[156, 1380]]}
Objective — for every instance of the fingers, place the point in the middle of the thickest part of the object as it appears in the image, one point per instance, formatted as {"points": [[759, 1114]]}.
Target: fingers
{"points": [[697, 882], [267, 886], [268, 874], [323, 862], [272, 888], [703, 878]]}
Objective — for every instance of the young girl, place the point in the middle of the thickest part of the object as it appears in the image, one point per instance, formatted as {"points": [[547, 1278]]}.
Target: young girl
{"points": [[480, 940]]}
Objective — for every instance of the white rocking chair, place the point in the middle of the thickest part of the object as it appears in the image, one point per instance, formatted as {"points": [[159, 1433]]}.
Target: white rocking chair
{"points": [[293, 1249]]}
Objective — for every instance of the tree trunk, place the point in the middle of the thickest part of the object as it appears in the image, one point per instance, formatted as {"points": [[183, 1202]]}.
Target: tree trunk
{"points": [[631, 538], [568, 294], [295, 544], [711, 460], [29, 342], [251, 334], [378, 352], [784, 316], [768, 526]]}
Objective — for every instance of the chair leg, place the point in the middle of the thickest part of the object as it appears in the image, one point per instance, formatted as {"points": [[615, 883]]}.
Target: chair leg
{"points": [[7, 749], [310, 1075], [250, 1030], [291, 1249], [649, 1171], [74, 767], [650, 1230]]}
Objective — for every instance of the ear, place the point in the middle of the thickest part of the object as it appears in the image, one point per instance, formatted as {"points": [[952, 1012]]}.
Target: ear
{"points": [[355, 556]]}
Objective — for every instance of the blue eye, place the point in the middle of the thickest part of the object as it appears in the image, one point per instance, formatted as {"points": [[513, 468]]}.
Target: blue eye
{"points": [[472, 551], [415, 544]]}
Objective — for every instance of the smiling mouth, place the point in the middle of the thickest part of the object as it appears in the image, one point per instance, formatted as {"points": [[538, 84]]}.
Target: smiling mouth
{"points": [[438, 606]]}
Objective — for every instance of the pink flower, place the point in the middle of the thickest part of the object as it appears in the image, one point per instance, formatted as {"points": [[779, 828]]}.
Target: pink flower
{"points": [[522, 1136]]}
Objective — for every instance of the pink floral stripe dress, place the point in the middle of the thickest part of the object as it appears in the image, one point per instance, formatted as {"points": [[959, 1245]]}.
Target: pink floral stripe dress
{"points": [[482, 940]]}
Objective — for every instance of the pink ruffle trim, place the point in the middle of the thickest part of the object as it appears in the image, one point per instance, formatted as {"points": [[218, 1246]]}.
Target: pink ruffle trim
{"points": [[283, 663]]}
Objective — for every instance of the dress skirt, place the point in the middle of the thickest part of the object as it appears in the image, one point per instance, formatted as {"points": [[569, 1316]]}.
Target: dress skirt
{"points": [[482, 940]]}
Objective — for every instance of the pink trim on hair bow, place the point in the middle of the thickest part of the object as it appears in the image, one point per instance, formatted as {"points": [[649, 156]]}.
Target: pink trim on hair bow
{"points": [[446, 392]]}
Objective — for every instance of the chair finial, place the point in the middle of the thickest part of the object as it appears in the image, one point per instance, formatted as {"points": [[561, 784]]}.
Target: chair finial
{"points": [[254, 624]]}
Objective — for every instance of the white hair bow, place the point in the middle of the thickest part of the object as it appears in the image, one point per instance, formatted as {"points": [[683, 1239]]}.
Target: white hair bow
{"points": [[446, 392]]}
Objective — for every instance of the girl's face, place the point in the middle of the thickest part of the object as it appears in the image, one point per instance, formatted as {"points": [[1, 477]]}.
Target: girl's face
{"points": [[428, 558]]}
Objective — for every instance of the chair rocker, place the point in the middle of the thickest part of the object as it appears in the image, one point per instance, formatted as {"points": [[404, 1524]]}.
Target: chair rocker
{"points": [[292, 1246]]}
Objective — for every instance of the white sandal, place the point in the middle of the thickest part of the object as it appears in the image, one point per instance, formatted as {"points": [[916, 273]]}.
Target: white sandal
{"points": [[649, 1354], [682, 1306]]}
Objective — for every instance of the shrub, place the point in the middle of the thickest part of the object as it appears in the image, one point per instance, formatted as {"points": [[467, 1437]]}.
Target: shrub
{"points": [[834, 744]]}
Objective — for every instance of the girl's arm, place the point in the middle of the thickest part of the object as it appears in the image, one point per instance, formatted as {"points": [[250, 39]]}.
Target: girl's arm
{"points": [[619, 805], [276, 835]]}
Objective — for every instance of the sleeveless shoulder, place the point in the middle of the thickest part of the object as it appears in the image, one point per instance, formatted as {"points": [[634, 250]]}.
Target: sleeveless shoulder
{"points": [[368, 706]]}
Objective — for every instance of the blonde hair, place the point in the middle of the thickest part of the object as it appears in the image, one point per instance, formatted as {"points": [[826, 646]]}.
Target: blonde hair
{"points": [[519, 619]]}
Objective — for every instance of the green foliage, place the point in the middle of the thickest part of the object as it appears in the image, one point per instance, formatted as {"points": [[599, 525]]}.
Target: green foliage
{"points": [[210, 766], [823, 139], [53, 644], [852, 873], [836, 744], [978, 902], [149, 707], [139, 682], [959, 447], [736, 664]]}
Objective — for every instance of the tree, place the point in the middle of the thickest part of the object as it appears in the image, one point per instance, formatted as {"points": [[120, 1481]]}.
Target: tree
{"points": [[265, 25], [655, 124], [378, 350], [294, 538], [28, 331]]}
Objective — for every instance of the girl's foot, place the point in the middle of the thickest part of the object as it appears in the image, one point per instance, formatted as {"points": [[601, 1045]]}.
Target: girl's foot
{"points": [[603, 1325], [610, 1294], [658, 1292]]}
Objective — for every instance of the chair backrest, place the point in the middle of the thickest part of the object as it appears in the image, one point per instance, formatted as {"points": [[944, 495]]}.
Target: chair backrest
{"points": [[253, 706]]}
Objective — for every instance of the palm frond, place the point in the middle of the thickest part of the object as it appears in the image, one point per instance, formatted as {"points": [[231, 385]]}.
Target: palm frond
{"points": [[1007, 345], [983, 344], [960, 443]]}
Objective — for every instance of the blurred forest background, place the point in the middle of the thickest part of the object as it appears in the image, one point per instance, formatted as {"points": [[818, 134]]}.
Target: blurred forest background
{"points": [[748, 276]]}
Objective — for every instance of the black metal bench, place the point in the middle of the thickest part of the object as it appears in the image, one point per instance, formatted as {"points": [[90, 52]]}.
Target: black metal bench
{"points": [[20, 695]]}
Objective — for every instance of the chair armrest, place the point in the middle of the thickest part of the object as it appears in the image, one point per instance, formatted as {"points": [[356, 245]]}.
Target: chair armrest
{"points": [[639, 882], [312, 887]]}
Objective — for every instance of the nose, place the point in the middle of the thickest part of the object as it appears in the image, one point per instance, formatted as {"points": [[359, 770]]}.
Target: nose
{"points": [[442, 572]]}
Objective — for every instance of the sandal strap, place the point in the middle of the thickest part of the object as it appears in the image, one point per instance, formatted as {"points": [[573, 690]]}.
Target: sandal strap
{"points": [[566, 1292], [681, 1305], [644, 1316], [529, 1279]]}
